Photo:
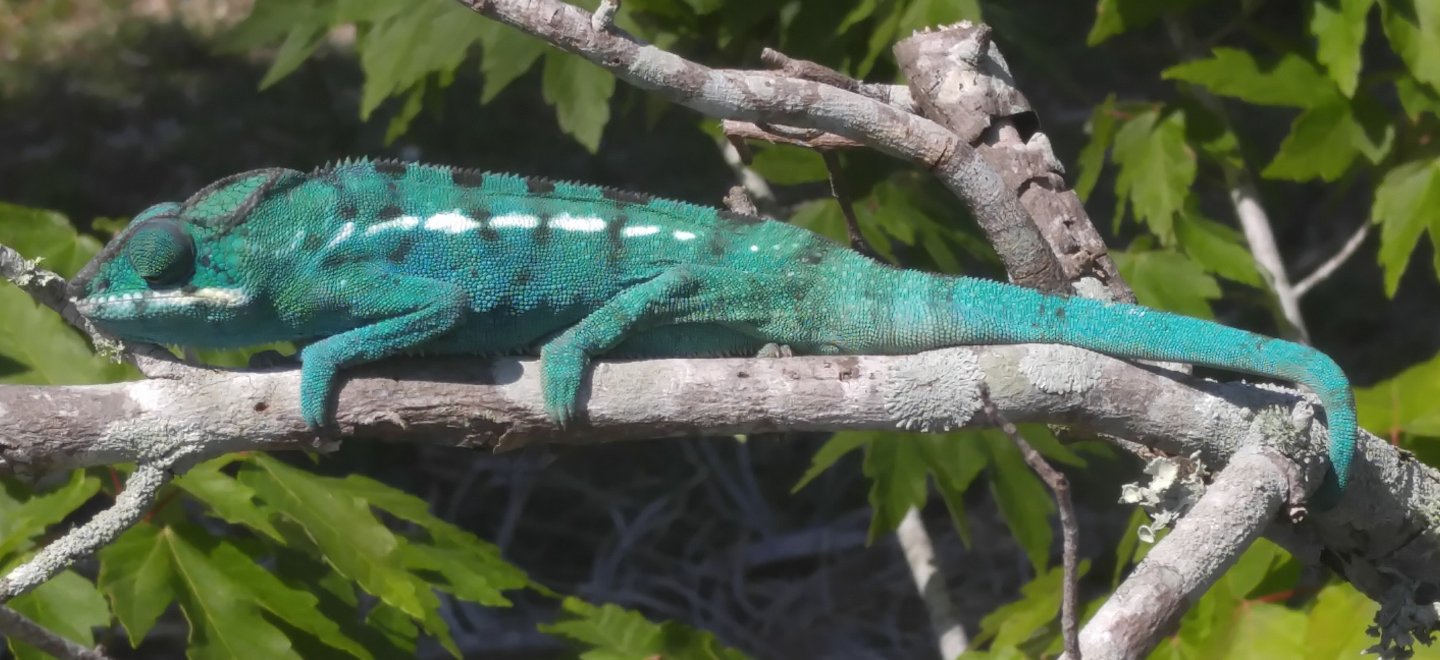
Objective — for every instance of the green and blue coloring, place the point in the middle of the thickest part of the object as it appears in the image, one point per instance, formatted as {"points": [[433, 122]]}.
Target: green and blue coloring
{"points": [[366, 259]]}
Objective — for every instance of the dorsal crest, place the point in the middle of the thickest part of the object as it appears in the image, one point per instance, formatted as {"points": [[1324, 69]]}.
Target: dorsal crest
{"points": [[229, 200]]}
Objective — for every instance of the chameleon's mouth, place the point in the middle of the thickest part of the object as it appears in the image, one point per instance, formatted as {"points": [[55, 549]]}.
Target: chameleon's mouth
{"points": [[125, 305]]}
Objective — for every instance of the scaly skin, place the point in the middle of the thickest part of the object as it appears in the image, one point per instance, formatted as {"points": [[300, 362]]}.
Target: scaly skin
{"points": [[371, 259]]}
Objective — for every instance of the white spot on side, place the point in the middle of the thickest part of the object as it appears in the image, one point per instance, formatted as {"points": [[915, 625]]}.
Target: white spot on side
{"points": [[451, 222], [684, 236], [345, 232], [639, 230], [754, 248], [402, 222], [514, 221], [296, 242], [577, 223], [220, 297]]}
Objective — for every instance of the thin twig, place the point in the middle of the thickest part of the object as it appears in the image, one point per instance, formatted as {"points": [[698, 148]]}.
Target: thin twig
{"points": [[842, 196], [130, 506], [1333, 263], [1070, 533], [896, 95], [744, 130], [919, 552], [604, 16], [20, 628]]}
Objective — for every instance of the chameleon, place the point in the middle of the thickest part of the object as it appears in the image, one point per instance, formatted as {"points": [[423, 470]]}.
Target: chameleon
{"points": [[365, 259]]}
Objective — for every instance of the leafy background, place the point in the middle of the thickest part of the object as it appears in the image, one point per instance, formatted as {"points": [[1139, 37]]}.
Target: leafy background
{"points": [[761, 546]]}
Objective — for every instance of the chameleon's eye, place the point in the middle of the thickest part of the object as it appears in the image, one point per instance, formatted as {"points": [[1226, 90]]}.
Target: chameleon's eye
{"points": [[161, 253]]}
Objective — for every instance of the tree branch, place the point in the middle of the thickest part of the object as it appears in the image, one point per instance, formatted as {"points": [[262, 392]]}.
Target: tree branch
{"points": [[1234, 511], [20, 628], [766, 97]]}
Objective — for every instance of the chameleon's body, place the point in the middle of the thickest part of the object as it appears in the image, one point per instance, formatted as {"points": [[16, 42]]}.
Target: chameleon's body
{"points": [[370, 259]]}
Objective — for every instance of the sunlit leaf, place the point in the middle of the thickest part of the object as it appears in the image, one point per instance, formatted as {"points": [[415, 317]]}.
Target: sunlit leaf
{"points": [[1168, 280], [580, 92], [67, 605], [1339, 29], [1157, 168], [1291, 81], [1405, 204]]}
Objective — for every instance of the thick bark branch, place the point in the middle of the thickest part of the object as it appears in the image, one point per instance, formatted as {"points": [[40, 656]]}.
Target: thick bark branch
{"points": [[776, 98], [1241, 503]]}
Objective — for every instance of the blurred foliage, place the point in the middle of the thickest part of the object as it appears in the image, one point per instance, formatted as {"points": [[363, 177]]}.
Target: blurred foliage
{"points": [[1331, 108]]}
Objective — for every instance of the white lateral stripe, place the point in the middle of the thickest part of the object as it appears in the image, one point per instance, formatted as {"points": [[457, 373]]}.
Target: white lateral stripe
{"points": [[573, 223], [640, 230], [451, 222], [515, 220], [345, 232], [684, 235], [402, 222]]}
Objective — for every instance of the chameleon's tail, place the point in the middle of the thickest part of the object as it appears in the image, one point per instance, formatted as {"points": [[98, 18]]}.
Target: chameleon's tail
{"points": [[993, 313]]}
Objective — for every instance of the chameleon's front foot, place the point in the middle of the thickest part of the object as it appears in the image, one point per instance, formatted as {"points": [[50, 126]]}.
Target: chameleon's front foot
{"points": [[316, 392], [560, 374]]}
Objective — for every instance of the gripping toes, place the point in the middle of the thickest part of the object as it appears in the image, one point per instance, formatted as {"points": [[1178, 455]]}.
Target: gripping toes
{"points": [[561, 370], [317, 385]]}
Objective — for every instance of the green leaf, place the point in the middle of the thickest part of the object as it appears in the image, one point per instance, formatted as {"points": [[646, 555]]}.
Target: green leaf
{"points": [[1413, 27], [1025, 503], [923, 14], [838, 445], [346, 532], [507, 54], [136, 573], [1325, 139], [785, 165], [1157, 168], [224, 622], [1265, 630], [36, 346], [896, 469], [580, 92], [1217, 248], [1167, 280], [1337, 622], [67, 605], [1013, 624], [302, 42], [1416, 98], [956, 460], [823, 217], [703, 7], [473, 568], [21, 521], [1402, 404], [399, 52], [46, 235], [1292, 81], [1128, 550], [1114, 17], [1339, 29], [609, 632], [257, 587], [227, 498], [1405, 204], [1252, 566], [1092, 158]]}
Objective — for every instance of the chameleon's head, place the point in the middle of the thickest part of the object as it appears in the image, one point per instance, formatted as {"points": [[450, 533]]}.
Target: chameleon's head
{"points": [[174, 275]]}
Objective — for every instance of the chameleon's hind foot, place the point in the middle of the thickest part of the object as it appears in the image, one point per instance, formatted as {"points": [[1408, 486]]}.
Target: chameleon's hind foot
{"points": [[774, 350]]}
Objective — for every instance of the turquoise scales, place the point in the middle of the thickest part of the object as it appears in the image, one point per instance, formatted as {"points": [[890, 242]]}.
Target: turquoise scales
{"points": [[369, 259]]}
